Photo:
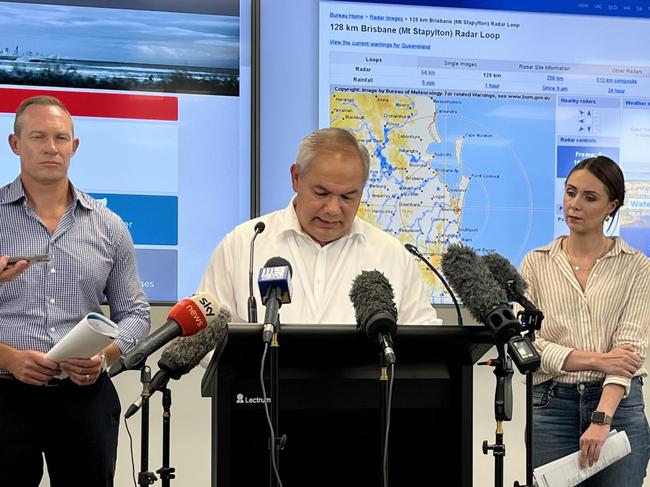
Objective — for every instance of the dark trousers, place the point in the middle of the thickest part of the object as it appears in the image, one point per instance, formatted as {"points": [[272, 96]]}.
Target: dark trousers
{"points": [[74, 427]]}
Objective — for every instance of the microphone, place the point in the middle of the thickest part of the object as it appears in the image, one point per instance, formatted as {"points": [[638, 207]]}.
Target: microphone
{"points": [[374, 309], [413, 249], [275, 288], [186, 317], [515, 286], [252, 304], [185, 353], [509, 278], [487, 302], [480, 292]]}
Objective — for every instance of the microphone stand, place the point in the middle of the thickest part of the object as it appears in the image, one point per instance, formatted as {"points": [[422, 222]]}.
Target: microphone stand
{"points": [[277, 443], [252, 304], [384, 381], [413, 249], [532, 320], [145, 477], [166, 472], [502, 409]]}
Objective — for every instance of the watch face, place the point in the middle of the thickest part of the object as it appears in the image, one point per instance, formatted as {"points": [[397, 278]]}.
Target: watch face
{"points": [[600, 417]]}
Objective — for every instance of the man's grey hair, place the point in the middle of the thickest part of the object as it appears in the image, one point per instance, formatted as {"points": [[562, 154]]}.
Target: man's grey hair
{"points": [[42, 100], [331, 139]]}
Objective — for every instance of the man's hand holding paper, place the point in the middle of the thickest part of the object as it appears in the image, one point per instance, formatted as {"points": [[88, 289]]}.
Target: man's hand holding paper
{"points": [[31, 367], [82, 371], [78, 353]]}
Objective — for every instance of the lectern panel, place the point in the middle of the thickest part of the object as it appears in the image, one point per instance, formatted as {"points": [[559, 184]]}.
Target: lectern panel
{"points": [[330, 407]]}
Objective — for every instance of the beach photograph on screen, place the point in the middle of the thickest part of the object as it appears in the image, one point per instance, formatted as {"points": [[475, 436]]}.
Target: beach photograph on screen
{"points": [[118, 49]]}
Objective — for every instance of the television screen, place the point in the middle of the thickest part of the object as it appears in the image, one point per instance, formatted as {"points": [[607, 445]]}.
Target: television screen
{"points": [[473, 112], [159, 92]]}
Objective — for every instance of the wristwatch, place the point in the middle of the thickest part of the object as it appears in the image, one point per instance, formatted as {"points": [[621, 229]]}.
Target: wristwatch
{"points": [[600, 417], [104, 363]]}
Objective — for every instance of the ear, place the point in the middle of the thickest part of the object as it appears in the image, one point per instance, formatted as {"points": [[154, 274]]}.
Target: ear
{"points": [[295, 174], [611, 207], [13, 143], [75, 146]]}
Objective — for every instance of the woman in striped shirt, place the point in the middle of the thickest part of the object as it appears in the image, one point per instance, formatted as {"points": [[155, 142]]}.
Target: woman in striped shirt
{"points": [[595, 294]]}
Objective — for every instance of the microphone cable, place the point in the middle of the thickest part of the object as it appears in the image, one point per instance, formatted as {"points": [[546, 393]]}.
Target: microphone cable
{"points": [[413, 249], [389, 407], [266, 401]]}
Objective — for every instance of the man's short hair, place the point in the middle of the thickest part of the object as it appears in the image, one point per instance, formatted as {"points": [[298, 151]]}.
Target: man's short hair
{"points": [[331, 139], [37, 100]]}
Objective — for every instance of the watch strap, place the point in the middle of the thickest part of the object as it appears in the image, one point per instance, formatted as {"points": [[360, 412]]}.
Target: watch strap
{"points": [[104, 363], [600, 417]]}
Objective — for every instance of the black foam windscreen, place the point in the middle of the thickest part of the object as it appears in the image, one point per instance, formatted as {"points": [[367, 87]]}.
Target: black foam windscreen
{"points": [[185, 353], [506, 275], [374, 306], [472, 280]]}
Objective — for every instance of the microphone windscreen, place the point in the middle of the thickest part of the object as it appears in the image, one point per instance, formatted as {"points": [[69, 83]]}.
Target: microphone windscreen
{"points": [[506, 275], [192, 313], [372, 296], [259, 227], [471, 280], [279, 262], [275, 276], [185, 353]]}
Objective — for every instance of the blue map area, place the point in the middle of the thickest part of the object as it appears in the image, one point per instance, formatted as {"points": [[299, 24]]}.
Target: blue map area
{"points": [[458, 168]]}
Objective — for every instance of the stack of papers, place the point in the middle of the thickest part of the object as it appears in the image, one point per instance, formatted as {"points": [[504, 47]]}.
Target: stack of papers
{"points": [[91, 335], [566, 471]]}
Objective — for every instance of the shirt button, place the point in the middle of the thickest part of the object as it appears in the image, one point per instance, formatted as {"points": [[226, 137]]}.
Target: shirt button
{"points": [[52, 300], [52, 329], [52, 270]]}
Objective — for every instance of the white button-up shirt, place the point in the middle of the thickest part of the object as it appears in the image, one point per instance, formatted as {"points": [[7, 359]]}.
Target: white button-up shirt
{"points": [[322, 276]]}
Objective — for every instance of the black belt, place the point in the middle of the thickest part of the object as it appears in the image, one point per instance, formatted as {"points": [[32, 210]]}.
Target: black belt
{"points": [[51, 382], [58, 382]]}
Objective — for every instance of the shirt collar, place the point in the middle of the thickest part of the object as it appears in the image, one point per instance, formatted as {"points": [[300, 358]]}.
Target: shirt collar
{"points": [[291, 224], [15, 192], [80, 197], [12, 192], [621, 246], [554, 247]]}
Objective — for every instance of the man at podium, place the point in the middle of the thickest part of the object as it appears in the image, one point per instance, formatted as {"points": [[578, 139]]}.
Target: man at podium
{"points": [[321, 236]]}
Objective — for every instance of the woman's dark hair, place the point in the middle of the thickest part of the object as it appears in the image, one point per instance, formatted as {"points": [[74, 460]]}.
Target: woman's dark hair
{"points": [[608, 173]]}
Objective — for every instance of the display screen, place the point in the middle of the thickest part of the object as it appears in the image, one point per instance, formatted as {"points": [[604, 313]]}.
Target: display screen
{"points": [[474, 112], [159, 93]]}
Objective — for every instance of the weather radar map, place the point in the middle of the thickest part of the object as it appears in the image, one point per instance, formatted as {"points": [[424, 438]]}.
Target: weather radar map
{"points": [[443, 169]]}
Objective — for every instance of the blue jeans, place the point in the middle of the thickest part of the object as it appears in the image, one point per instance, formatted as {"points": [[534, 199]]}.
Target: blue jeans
{"points": [[561, 415]]}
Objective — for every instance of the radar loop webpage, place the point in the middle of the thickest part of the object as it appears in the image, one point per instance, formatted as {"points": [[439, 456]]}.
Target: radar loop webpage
{"points": [[474, 118]]}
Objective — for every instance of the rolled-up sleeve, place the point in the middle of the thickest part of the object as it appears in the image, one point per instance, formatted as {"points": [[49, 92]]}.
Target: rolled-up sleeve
{"points": [[633, 327], [553, 355]]}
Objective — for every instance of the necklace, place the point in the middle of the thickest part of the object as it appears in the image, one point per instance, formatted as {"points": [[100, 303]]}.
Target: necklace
{"points": [[576, 267]]}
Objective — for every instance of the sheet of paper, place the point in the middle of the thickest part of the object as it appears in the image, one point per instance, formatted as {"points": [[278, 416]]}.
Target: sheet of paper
{"points": [[566, 471], [91, 335]]}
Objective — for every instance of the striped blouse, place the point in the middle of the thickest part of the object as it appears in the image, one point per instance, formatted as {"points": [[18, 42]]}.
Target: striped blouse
{"points": [[613, 310]]}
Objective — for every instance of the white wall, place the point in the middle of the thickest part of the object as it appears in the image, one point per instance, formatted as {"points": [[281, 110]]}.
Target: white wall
{"points": [[190, 427]]}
